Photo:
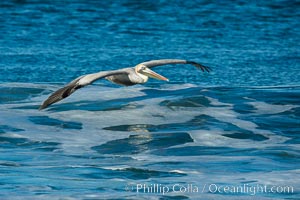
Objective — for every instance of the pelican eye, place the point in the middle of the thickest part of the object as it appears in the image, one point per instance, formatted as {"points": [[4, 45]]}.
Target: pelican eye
{"points": [[143, 68]]}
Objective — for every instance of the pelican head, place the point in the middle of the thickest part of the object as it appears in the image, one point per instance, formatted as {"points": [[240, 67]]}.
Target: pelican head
{"points": [[142, 70]]}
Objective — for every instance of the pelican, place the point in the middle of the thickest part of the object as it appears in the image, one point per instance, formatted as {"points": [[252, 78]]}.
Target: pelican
{"points": [[126, 77]]}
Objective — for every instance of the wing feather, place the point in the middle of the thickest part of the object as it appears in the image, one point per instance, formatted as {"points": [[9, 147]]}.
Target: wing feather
{"points": [[76, 84], [155, 63]]}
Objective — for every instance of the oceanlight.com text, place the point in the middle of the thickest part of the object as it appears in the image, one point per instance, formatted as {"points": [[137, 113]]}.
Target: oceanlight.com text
{"points": [[245, 189]]}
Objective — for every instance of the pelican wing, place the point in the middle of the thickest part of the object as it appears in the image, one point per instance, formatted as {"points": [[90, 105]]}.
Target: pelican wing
{"points": [[155, 63], [77, 83]]}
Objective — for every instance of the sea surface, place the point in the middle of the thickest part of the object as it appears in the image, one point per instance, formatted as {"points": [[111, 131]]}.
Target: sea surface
{"points": [[233, 133]]}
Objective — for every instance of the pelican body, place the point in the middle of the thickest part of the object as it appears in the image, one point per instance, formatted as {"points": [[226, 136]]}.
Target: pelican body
{"points": [[126, 77]]}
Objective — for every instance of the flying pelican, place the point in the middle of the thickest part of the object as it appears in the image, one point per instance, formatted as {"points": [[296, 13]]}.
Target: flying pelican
{"points": [[127, 77]]}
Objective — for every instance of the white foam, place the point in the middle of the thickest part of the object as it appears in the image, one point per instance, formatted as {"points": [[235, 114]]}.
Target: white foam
{"points": [[177, 86], [265, 108], [116, 167], [147, 111], [225, 113]]}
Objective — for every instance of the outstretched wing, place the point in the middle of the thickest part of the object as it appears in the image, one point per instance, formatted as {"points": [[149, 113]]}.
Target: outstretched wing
{"points": [[155, 63], [77, 83]]}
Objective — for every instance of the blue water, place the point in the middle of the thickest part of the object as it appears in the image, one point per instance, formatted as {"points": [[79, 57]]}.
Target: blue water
{"points": [[236, 126]]}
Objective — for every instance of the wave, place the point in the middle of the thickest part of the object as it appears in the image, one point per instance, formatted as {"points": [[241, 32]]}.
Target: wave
{"points": [[152, 133]]}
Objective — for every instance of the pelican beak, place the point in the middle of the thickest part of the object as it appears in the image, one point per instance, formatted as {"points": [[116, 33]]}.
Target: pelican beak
{"points": [[148, 72]]}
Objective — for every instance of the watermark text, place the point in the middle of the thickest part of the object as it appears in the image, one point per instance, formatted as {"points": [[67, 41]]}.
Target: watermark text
{"points": [[246, 189]]}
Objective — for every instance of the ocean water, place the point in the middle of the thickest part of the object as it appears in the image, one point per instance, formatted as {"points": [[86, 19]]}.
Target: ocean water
{"points": [[232, 133]]}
